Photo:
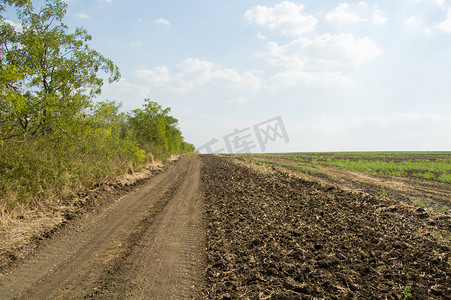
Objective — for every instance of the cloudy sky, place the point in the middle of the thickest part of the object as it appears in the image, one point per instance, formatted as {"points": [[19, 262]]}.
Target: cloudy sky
{"points": [[343, 76]]}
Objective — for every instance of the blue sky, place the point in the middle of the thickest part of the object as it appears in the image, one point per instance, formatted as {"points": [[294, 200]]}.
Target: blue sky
{"points": [[343, 75]]}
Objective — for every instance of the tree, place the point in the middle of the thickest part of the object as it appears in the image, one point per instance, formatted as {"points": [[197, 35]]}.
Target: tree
{"points": [[17, 3], [10, 100], [48, 76], [156, 130], [148, 124]]}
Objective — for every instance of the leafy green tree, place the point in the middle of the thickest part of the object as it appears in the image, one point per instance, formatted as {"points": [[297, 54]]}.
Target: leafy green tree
{"points": [[49, 75], [11, 101], [107, 134], [17, 3], [148, 124], [156, 130]]}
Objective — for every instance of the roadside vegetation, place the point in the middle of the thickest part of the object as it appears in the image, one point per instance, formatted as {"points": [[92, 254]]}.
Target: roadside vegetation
{"points": [[427, 165], [55, 139]]}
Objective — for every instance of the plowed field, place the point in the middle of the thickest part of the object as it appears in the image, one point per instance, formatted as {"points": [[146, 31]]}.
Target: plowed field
{"points": [[277, 236]]}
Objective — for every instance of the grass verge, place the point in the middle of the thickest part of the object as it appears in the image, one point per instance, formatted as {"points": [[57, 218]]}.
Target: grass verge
{"points": [[38, 173]]}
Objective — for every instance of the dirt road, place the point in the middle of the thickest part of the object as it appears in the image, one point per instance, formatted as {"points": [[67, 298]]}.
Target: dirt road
{"points": [[147, 245]]}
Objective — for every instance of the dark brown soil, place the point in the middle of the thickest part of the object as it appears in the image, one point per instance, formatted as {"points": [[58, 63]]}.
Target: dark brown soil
{"points": [[414, 191], [278, 236]]}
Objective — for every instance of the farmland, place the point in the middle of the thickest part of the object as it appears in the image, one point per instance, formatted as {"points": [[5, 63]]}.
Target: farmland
{"points": [[240, 227], [419, 178], [274, 235], [427, 165]]}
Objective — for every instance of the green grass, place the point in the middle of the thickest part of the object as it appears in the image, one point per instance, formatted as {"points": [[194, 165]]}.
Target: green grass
{"points": [[427, 165], [382, 193], [445, 177]]}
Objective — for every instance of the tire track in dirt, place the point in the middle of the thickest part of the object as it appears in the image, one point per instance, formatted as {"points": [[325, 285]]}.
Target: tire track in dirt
{"points": [[81, 260], [168, 264]]}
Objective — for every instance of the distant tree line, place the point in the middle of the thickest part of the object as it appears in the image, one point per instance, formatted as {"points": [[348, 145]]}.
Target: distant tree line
{"points": [[49, 78]]}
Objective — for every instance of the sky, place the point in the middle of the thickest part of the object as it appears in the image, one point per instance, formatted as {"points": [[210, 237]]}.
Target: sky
{"points": [[283, 76]]}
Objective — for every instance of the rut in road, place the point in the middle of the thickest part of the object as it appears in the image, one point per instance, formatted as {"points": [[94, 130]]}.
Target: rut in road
{"points": [[168, 262], [147, 245]]}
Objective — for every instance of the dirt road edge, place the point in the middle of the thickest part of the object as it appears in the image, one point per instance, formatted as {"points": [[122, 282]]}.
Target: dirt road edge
{"points": [[24, 237]]}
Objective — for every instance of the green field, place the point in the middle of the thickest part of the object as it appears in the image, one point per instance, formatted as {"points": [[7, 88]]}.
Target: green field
{"points": [[428, 165]]}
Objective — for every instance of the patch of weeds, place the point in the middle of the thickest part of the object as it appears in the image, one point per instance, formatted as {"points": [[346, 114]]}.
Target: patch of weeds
{"points": [[442, 239], [443, 209], [395, 173], [445, 178], [406, 292], [426, 175], [423, 204], [382, 193], [256, 166]]}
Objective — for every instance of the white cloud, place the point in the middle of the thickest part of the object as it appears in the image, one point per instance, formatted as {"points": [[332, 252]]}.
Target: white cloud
{"points": [[162, 21], [413, 21], [16, 26], [293, 78], [199, 72], [194, 72], [417, 24], [161, 77], [359, 12], [326, 52], [446, 25], [136, 44], [124, 89], [379, 17], [82, 15], [444, 4], [261, 36], [342, 15], [286, 17], [320, 61], [231, 79], [107, 1], [363, 4]]}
